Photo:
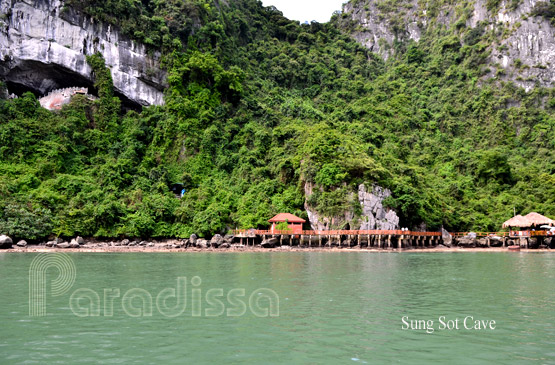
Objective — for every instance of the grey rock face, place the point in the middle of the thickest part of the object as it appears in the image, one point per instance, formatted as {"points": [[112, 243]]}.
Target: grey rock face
{"points": [[374, 214], [63, 245], [80, 240], [193, 239], [529, 39], [21, 243], [45, 48], [320, 222], [5, 242], [375, 33], [74, 243]]}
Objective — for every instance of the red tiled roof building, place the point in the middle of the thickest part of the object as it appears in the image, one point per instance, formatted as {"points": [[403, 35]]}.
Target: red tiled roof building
{"points": [[294, 223]]}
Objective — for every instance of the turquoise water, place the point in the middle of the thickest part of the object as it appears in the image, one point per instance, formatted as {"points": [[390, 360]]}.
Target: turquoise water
{"points": [[333, 308]]}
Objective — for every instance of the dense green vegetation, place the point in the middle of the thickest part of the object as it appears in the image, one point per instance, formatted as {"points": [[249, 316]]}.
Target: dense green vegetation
{"points": [[545, 9], [258, 106]]}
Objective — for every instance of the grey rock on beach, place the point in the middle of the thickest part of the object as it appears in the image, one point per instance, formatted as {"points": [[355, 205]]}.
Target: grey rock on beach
{"points": [[5, 242], [216, 241]]}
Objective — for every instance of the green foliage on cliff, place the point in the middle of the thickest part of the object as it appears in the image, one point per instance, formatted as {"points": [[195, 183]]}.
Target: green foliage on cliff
{"points": [[545, 9], [258, 107]]}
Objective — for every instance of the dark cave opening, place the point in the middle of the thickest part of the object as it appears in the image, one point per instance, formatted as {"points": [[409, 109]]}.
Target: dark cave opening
{"points": [[40, 78]]}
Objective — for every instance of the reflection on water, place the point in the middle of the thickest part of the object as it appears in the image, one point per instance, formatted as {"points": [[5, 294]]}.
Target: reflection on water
{"points": [[333, 307]]}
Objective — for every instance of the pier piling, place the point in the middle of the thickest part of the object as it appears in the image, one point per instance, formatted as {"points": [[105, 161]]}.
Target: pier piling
{"points": [[382, 239]]}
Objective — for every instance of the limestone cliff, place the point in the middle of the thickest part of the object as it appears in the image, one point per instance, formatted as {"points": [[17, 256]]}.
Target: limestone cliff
{"points": [[524, 44], [372, 214], [43, 46]]}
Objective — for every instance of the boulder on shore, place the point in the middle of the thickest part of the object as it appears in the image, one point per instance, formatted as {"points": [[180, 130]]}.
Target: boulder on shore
{"points": [[533, 242], [202, 243], [496, 241], [216, 241], [63, 245], [5, 242], [466, 242], [79, 240], [446, 237], [125, 242], [483, 242], [193, 239], [269, 243], [225, 245], [21, 243], [74, 243]]}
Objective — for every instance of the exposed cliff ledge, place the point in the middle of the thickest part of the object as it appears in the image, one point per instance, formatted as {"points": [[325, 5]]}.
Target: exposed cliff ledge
{"points": [[525, 48], [372, 215], [43, 47]]}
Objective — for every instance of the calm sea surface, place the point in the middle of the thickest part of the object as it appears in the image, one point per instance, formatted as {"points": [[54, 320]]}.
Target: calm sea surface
{"points": [[333, 308]]}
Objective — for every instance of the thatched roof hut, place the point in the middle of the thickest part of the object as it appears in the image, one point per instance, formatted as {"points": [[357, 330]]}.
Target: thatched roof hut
{"points": [[538, 219], [529, 220], [517, 221]]}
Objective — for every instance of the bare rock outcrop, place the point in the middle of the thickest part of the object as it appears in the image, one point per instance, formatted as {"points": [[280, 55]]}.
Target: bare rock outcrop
{"points": [[525, 51], [374, 214], [43, 46]]}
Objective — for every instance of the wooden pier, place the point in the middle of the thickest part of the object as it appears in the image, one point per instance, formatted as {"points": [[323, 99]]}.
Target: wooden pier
{"points": [[380, 239]]}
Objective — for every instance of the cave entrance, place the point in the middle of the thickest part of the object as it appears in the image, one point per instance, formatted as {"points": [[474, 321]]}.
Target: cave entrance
{"points": [[41, 78], [19, 89]]}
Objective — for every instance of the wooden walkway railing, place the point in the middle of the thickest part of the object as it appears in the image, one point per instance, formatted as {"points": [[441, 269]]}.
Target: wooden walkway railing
{"points": [[259, 232]]}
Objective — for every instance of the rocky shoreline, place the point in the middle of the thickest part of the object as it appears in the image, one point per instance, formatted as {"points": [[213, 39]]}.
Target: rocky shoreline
{"points": [[223, 244], [472, 241]]}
